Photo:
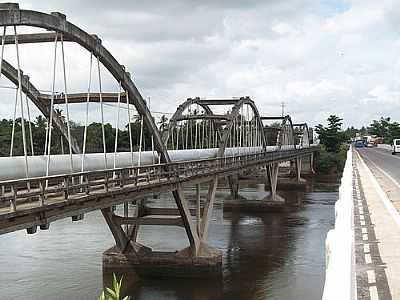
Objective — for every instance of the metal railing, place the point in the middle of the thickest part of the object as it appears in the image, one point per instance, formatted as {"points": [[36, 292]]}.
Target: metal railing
{"points": [[78, 185]]}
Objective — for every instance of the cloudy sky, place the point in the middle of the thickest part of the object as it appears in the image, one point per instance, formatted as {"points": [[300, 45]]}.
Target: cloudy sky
{"points": [[318, 57]]}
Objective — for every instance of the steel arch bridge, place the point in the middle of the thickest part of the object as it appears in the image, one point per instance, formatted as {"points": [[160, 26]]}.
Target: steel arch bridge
{"points": [[206, 139]]}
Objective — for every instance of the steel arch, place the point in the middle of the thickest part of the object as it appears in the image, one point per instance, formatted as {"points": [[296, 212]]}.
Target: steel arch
{"points": [[235, 114], [13, 16], [286, 134], [179, 114], [304, 134], [57, 22], [33, 93]]}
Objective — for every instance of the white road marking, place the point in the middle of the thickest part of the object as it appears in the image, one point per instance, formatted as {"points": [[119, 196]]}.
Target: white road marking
{"points": [[364, 230], [365, 237], [366, 248], [362, 222], [368, 259], [371, 276], [373, 292]]}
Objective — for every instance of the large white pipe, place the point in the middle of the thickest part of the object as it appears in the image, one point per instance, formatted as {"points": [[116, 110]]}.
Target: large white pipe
{"points": [[14, 167]]}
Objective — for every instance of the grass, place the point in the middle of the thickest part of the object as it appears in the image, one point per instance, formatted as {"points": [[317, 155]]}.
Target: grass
{"points": [[114, 293]]}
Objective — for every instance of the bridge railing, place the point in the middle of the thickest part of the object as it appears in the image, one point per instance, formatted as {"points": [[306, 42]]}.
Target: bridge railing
{"points": [[77, 185], [340, 260]]}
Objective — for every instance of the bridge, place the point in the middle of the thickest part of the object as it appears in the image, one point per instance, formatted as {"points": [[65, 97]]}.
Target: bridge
{"points": [[205, 141]]}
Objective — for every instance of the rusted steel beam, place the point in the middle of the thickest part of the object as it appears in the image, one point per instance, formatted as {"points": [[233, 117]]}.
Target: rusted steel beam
{"points": [[203, 117], [218, 101], [82, 97], [32, 38], [272, 118]]}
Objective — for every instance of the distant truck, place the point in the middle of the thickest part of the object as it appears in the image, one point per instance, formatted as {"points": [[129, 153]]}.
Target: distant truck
{"points": [[371, 140], [396, 146]]}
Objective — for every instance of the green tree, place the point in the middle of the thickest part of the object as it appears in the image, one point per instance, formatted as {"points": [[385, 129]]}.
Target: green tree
{"points": [[331, 136], [163, 123], [380, 128]]}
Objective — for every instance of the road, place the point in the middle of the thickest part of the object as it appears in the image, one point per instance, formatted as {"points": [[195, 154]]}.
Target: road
{"points": [[382, 160], [386, 169]]}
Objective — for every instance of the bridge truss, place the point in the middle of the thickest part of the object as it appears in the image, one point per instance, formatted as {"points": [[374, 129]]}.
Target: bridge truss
{"points": [[206, 139]]}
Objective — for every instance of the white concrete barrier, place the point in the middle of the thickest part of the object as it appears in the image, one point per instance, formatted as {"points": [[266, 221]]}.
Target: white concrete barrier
{"points": [[340, 258], [385, 146]]}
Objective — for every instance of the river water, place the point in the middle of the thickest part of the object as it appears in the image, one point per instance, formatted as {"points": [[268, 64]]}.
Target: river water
{"points": [[265, 256]]}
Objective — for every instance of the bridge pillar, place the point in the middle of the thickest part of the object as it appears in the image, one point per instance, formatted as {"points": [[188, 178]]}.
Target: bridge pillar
{"points": [[312, 164], [233, 181], [294, 181], [197, 260], [272, 177], [298, 169]]}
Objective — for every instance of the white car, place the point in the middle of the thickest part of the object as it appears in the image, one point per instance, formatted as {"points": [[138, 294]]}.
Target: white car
{"points": [[396, 146]]}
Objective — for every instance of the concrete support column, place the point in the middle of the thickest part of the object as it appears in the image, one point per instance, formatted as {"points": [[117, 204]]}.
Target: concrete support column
{"points": [[189, 225], [233, 181], [272, 172], [139, 212], [298, 168], [208, 208], [312, 163], [121, 240], [198, 208]]}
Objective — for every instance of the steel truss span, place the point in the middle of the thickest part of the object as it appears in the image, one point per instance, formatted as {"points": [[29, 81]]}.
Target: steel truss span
{"points": [[205, 139]]}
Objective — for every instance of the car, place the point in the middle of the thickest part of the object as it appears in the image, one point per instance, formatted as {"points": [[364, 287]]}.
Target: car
{"points": [[395, 146], [359, 144]]}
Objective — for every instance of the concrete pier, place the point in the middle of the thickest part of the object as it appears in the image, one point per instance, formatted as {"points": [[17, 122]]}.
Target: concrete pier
{"points": [[164, 264]]}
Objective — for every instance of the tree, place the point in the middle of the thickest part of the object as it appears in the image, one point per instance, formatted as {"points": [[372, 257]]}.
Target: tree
{"points": [[163, 123], [380, 128], [385, 129], [331, 136]]}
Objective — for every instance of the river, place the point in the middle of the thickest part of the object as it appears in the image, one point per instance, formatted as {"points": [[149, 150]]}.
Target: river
{"points": [[265, 256]]}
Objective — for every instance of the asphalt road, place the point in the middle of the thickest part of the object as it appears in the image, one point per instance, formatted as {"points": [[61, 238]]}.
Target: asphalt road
{"points": [[383, 159]]}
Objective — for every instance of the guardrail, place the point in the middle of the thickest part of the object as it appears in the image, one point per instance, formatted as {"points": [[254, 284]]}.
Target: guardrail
{"points": [[340, 258], [81, 184]]}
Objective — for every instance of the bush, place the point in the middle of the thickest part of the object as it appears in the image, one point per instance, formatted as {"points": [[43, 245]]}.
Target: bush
{"points": [[331, 162]]}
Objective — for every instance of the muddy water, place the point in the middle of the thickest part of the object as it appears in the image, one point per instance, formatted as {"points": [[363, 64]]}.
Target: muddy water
{"points": [[266, 256]]}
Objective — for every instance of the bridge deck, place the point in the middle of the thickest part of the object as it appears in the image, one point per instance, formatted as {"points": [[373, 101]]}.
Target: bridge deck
{"points": [[71, 195]]}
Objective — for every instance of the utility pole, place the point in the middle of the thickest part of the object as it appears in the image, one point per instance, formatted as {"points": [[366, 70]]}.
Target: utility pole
{"points": [[283, 108]]}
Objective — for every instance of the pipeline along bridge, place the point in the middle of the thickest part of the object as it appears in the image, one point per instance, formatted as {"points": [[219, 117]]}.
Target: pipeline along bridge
{"points": [[204, 141]]}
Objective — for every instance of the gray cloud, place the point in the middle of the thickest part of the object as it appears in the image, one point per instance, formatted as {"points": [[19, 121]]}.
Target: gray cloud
{"points": [[320, 59]]}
